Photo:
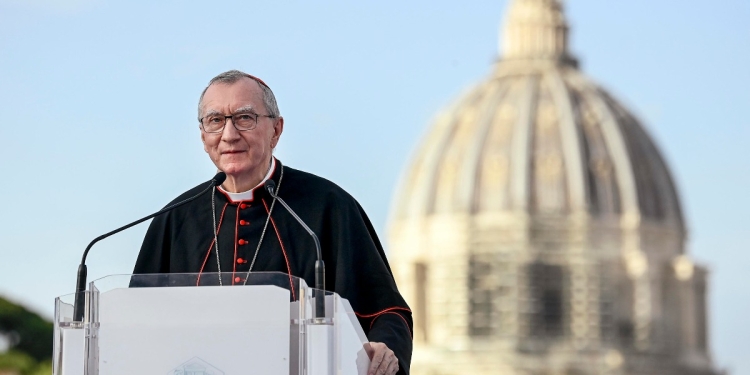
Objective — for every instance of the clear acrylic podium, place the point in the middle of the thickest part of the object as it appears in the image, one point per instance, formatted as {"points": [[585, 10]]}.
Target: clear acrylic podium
{"points": [[186, 324]]}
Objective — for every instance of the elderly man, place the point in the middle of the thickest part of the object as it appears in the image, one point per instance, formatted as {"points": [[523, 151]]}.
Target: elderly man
{"points": [[236, 228]]}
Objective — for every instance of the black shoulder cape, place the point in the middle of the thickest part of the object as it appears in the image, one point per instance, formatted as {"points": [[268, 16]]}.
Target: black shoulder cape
{"points": [[181, 241]]}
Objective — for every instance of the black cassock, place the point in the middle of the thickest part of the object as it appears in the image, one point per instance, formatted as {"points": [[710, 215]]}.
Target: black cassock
{"points": [[182, 241]]}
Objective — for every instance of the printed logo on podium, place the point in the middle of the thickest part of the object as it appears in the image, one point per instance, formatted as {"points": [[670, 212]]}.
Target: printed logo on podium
{"points": [[195, 366]]}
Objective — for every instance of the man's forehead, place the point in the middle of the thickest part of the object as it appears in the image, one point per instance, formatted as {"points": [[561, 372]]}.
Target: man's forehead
{"points": [[245, 92], [244, 108]]}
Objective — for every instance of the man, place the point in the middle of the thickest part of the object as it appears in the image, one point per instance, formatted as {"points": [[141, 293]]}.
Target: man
{"points": [[240, 126]]}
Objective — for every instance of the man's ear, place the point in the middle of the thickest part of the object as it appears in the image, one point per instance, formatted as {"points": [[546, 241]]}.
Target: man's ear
{"points": [[278, 128], [203, 139]]}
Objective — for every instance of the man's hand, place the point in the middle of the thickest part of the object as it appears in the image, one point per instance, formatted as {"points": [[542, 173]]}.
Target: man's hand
{"points": [[382, 359]]}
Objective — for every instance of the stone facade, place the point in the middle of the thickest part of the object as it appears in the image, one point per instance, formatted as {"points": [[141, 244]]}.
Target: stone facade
{"points": [[538, 229]]}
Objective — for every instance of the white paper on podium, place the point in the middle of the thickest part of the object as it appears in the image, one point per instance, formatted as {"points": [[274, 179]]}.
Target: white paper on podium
{"points": [[73, 356], [188, 330]]}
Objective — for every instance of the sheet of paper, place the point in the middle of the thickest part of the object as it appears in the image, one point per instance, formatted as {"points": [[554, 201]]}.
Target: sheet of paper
{"points": [[188, 330]]}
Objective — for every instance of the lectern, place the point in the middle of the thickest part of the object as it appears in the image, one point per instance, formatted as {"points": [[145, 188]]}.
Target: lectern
{"points": [[207, 324]]}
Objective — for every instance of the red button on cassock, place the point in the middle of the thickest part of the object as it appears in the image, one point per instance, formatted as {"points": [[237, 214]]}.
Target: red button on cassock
{"points": [[240, 260], [242, 242], [243, 206], [243, 222], [236, 279]]}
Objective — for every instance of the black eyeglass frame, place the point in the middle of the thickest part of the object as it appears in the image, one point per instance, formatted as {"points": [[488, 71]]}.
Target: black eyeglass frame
{"points": [[234, 122]]}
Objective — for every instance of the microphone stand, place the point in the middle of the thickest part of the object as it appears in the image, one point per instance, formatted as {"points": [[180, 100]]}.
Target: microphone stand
{"points": [[78, 305], [320, 268]]}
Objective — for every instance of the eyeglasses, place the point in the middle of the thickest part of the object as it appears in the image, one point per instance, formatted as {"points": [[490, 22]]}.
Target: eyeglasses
{"points": [[243, 121]]}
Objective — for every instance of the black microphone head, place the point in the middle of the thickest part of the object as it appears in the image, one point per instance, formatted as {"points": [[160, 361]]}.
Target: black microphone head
{"points": [[219, 178], [270, 186]]}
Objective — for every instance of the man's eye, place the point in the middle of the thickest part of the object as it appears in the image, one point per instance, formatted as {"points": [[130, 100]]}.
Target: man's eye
{"points": [[243, 117], [214, 120]]}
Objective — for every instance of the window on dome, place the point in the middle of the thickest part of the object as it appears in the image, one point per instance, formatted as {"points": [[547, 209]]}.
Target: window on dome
{"points": [[481, 296], [420, 318], [547, 300]]}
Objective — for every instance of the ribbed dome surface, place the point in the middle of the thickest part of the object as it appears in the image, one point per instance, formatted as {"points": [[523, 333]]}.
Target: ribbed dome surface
{"points": [[539, 137], [538, 231]]}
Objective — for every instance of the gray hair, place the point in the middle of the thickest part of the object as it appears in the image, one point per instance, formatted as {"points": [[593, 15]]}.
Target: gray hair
{"points": [[232, 76]]}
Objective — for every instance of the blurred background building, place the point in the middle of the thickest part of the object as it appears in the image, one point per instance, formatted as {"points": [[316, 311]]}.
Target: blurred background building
{"points": [[538, 230]]}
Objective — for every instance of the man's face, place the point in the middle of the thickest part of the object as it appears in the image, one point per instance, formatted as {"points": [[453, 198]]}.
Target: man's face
{"points": [[241, 155]]}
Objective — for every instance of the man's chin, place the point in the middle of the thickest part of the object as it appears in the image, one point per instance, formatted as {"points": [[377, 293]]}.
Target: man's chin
{"points": [[235, 170]]}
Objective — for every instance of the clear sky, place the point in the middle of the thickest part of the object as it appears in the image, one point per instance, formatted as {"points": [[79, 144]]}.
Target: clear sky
{"points": [[99, 113]]}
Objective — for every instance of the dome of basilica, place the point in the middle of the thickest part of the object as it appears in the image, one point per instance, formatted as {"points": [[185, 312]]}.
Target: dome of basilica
{"points": [[538, 230], [538, 136]]}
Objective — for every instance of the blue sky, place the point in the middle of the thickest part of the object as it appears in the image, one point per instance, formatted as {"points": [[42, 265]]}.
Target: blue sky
{"points": [[99, 100]]}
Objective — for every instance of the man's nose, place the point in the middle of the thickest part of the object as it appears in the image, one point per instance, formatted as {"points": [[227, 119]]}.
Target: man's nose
{"points": [[229, 132]]}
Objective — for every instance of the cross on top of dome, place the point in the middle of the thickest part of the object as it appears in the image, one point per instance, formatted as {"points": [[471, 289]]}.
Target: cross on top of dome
{"points": [[536, 30]]}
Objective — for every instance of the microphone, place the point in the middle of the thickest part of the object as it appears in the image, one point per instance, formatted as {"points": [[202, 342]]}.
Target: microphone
{"points": [[320, 268], [82, 271]]}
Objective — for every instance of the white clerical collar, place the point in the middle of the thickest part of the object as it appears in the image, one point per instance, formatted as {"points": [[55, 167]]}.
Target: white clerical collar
{"points": [[248, 195]]}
